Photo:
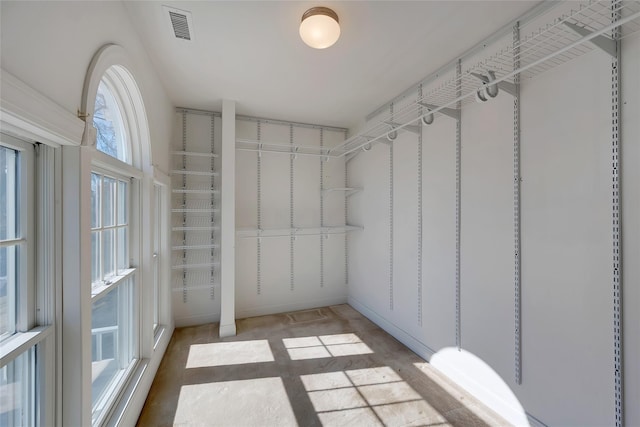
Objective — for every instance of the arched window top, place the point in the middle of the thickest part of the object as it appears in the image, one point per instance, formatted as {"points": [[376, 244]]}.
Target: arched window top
{"points": [[111, 129], [113, 109]]}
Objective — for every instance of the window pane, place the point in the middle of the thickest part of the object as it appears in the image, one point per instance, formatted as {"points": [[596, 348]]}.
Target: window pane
{"points": [[107, 119], [8, 290], [95, 257], [108, 201], [112, 328], [123, 245], [95, 200], [108, 253], [123, 204], [19, 405], [8, 193]]}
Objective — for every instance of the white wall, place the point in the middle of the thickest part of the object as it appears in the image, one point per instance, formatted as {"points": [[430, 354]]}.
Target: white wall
{"points": [[49, 45], [566, 222], [276, 292]]}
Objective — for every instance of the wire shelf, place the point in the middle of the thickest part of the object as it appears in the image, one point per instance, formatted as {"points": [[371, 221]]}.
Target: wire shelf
{"points": [[197, 221], [194, 173], [280, 148], [193, 154], [196, 228], [543, 48], [181, 288], [195, 247], [294, 232], [195, 266], [195, 190], [195, 206], [347, 190]]}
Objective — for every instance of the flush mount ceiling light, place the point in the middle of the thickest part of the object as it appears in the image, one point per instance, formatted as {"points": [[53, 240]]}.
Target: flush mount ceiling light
{"points": [[319, 27]]}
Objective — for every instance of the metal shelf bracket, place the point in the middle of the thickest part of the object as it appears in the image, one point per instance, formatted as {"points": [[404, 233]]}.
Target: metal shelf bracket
{"points": [[451, 112], [508, 87], [603, 42], [411, 128]]}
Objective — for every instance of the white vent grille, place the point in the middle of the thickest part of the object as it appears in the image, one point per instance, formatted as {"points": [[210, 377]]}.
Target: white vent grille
{"points": [[180, 22], [180, 25]]}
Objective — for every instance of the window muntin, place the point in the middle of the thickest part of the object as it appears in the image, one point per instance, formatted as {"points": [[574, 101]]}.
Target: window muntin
{"points": [[109, 228], [25, 371], [10, 242], [112, 342], [111, 135], [157, 244], [19, 385]]}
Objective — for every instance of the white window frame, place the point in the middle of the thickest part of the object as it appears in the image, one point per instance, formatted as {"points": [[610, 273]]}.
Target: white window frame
{"points": [[106, 165], [34, 328]]}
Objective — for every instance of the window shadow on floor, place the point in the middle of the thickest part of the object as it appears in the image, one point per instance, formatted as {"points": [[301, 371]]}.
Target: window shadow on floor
{"points": [[335, 371]]}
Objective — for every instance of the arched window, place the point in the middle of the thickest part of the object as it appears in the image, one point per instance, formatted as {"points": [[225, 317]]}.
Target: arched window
{"points": [[116, 126], [111, 135]]}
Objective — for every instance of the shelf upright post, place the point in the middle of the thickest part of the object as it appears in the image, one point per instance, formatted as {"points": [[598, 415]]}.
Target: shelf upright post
{"points": [[391, 216], [321, 208], [184, 204], [419, 236], [346, 213], [616, 81], [291, 222], [259, 214], [516, 206], [212, 276], [458, 196]]}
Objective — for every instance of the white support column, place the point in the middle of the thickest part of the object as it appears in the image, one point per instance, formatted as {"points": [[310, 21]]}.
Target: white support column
{"points": [[228, 220], [76, 297]]}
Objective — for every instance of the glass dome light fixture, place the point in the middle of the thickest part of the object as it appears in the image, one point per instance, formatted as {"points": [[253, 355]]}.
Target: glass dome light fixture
{"points": [[320, 27]]}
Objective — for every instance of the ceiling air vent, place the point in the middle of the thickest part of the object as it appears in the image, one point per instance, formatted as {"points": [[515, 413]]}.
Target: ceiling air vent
{"points": [[180, 21]]}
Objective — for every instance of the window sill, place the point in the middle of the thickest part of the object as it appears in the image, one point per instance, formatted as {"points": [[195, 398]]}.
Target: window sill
{"points": [[21, 342], [101, 290]]}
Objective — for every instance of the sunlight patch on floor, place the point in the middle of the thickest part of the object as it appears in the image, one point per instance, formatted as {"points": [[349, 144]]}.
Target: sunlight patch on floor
{"points": [[368, 397], [255, 402], [325, 346], [229, 353]]}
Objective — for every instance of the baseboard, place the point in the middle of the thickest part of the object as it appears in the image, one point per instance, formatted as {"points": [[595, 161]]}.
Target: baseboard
{"points": [[129, 407], [242, 313], [404, 337], [199, 319], [460, 377], [228, 330]]}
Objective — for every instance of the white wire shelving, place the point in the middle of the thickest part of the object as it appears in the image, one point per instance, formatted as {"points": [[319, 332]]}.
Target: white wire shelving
{"points": [[193, 279], [195, 247], [247, 233], [569, 30], [195, 266], [280, 148], [202, 189], [195, 173], [348, 191], [194, 154]]}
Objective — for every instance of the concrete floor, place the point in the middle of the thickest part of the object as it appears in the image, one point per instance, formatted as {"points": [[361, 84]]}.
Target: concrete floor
{"points": [[322, 367]]}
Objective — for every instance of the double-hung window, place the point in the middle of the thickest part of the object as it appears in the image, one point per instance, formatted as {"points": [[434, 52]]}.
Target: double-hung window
{"points": [[22, 343], [114, 317]]}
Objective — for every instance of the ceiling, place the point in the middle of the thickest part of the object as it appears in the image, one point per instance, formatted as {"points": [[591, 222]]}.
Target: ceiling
{"points": [[251, 52]]}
